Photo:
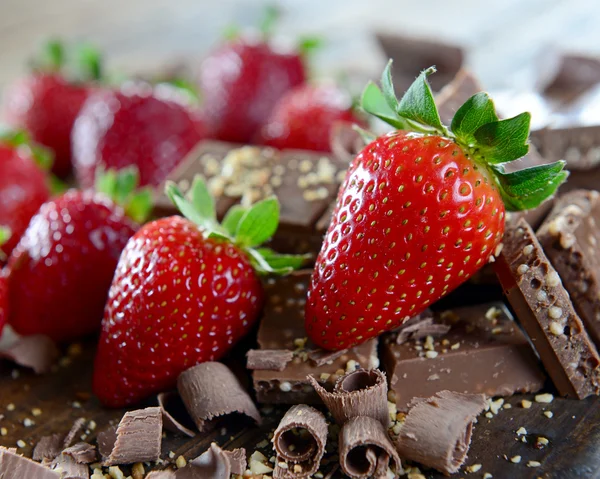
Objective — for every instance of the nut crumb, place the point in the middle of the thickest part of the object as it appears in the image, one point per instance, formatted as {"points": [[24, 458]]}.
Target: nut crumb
{"points": [[521, 431], [36, 411], [548, 414], [21, 443], [473, 468], [487, 475], [180, 462], [525, 404], [542, 441], [545, 398], [534, 464], [515, 459]]}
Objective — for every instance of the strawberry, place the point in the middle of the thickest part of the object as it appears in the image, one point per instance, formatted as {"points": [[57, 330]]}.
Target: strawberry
{"points": [[46, 102], [185, 291], [4, 236], [150, 128], [419, 212], [303, 117], [23, 185], [60, 272]]}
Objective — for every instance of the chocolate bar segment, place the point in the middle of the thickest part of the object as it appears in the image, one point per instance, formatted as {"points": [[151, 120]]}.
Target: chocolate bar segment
{"points": [[484, 351], [48, 447], [454, 94], [37, 352], [579, 146], [270, 359], [14, 466], [569, 75], [545, 311], [282, 328]]}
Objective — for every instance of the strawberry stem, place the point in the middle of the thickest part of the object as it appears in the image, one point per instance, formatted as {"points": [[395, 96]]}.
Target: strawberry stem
{"points": [[122, 188]]}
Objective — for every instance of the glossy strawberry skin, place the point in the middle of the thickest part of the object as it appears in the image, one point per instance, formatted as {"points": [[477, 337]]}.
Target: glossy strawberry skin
{"points": [[414, 220], [152, 129], [241, 82], [60, 272], [3, 300], [177, 299], [46, 106], [303, 118], [23, 189]]}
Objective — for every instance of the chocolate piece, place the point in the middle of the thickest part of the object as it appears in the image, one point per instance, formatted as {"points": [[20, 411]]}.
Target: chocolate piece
{"points": [[82, 453], [365, 449], [282, 328], [578, 146], [48, 447], [75, 432], [413, 55], [299, 442], [37, 352], [175, 416], [534, 217], [359, 393], [345, 141], [437, 431], [210, 390], [569, 237], [269, 359], [570, 75], [137, 438], [544, 309], [454, 94], [483, 352], [14, 466], [162, 475], [419, 327], [320, 357], [215, 463], [70, 468]]}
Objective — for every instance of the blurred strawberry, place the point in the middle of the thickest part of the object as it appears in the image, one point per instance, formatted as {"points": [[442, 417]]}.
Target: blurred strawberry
{"points": [[152, 128], [303, 117], [4, 236], [46, 102]]}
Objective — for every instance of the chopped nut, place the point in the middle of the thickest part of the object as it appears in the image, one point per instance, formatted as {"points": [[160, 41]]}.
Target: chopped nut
{"points": [[527, 250], [521, 431], [10, 407], [3, 431], [542, 441], [285, 386], [546, 398], [137, 471], [525, 404], [21, 443], [455, 346], [28, 422], [473, 468], [552, 279], [115, 472], [431, 354], [180, 462], [548, 414], [487, 475], [555, 312], [489, 415], [534, 464], [36, 411], [556, 328], [522, 269], [515, 459], [351, 366]]}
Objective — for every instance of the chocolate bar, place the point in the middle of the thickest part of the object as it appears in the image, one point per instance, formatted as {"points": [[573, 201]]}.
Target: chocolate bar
{"points": [[569, 237], [483, 352], [544, 309], [455, 93], [282, 327], [305, 182], [567, 76]]}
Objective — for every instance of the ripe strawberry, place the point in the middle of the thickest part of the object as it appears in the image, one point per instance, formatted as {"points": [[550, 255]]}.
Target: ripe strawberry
{"points": [[23, 186], [303, 117], [184, 292], [60, 272], [419, 212], [46, 102], [150, 128]]}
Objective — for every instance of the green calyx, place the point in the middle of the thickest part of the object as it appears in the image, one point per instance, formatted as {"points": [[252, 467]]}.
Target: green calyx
{"points": [[5, 234], [490, 142], [81, 62], [247, 228], [121, 187]]}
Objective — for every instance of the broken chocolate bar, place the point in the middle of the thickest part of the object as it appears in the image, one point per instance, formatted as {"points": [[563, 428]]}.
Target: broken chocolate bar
{"points": [[14, 466], [70, 468], [483, 352], [215, 463], [437, 431], [282, 328], [454, 94], [82, 453], [569, 75], [544, 309], [37, 352], [48, 447], [270, 359], [346, 141]]}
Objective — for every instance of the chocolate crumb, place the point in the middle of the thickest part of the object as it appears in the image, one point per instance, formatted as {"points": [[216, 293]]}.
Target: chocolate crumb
{"points": [[175, 417], [269, 359], [15, 466], [82, 453], [320, 357], [421, 328]]}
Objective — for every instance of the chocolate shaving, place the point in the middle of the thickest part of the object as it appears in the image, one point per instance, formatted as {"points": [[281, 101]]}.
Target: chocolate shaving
{"points": [[345, 141], [299, 441], [14, 466], [366, 449], [215, 463], [82, 453], [161, 475], [175, 416], [37, 352], [48, 447], [321, 357], [421, 330], [136, 439], [69, 468], [269, 359], [360, 393], [210, 390], [76, 429], [437, 431]]}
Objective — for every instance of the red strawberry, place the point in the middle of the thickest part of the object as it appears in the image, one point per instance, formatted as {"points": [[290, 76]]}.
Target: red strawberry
{"points": [[184, 292], [60, 271], [418, 213], [23, 187], [46, 102], [3, 300], [150, 128], [304, 116]]}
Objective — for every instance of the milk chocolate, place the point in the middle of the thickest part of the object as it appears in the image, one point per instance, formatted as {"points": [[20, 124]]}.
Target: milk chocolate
{"points": [[270, 359], [14, 466], [37, 352], [454, 94], [569, 75], [48, 447], [215, 463], [579, 146], [282, 328], [70, 468], [175, 417], [544, 309], [483, 352], [82, 453]]}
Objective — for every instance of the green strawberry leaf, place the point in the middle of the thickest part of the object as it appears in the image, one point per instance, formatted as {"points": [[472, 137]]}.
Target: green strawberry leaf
{"points": [[88, 62], [202, 200], [232, 219], [474, 113], [121, 187], [231, 32], [126, 181], [270, 18], [418, 104], [374, 102], [185, 206], [259, 223], [139, 205], [52, 56], [5, 234], [387, 87], [307, 45], [280, 261], [502, 141]]}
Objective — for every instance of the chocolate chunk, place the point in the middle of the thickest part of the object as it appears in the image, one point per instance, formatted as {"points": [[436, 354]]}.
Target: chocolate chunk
{"points": [[269, 359], [210, 390], [70, 468], [82, 453], [483, 352], [215, 463], [579, 146], [346, 142], [570, 75], [437, 431], [137, 438], [175, 416], [545, 311], [359, 393], [37, 352], [366, 450], [282, 328], [14, 466], [534, 217], [319, 356], [454, 94], [419, 327], [76, 429], [299, 442], [48, 447]]}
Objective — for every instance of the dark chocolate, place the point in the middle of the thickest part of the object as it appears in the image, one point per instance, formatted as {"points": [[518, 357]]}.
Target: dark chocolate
{"points": [[419, 327], [572, 74], [437, 431], [346, 142], [320, 357], [544, 309], [454, 94], [175, 416], [269, 359], [214, 463], [14, 466], [37, 352], [579, 146]]}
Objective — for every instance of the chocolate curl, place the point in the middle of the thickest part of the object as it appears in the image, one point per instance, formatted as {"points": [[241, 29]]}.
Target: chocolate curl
{"points": [[48, 447], [161, 475], [82, 453], [366, 449], [37, 352], [345, 141], [360, 393], [69, 468], [269, 359], [437, 431], [14, 466], [210, 390], [420, 327], [319, 357], [215, 463], [76, 429], [137, 438], [299, 442], [174, 413]]}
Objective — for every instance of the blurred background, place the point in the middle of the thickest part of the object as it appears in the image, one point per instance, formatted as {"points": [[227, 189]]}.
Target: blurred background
{"points": [[504, 40]]}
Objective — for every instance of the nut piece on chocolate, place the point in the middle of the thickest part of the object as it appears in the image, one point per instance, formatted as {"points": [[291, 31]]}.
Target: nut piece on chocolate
{"points": [[282, 328], [483, 352], [570, 238], [544, 309]]}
